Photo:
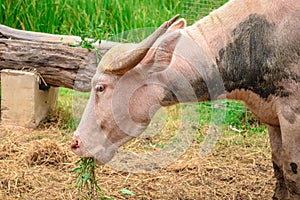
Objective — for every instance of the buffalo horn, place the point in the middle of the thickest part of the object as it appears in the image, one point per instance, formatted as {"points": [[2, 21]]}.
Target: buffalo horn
{"points": [[129, 59]]}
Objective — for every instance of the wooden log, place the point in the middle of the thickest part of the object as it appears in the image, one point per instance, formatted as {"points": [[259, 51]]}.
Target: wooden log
{"points": [[58, 59]]}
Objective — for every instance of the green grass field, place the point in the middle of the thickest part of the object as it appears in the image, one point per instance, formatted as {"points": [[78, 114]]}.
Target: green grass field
{"points": [[97, 18]]}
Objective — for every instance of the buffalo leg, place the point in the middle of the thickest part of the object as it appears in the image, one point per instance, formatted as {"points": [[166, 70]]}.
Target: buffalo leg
{"points": [[291, 164], [290, 132], [276, 145]]}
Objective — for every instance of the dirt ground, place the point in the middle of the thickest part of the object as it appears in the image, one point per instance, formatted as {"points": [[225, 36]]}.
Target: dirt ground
{"points": [[36, 164]]}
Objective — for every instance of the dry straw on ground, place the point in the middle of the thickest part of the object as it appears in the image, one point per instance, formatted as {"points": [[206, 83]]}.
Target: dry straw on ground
{"points": [[45, 152], [35, 164]]}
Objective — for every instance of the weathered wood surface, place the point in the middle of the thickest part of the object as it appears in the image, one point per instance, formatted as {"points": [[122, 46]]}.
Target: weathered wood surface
{"points": [[57, 58]]}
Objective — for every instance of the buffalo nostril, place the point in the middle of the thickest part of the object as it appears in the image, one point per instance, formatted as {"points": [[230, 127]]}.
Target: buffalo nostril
{"points": [[75, 144]]}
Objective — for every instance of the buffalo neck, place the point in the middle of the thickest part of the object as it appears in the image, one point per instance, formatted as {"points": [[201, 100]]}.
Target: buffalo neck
{"points": [[239, 48]]}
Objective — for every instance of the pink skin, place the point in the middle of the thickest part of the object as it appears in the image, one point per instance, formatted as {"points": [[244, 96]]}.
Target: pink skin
{"points": [[113, 122]]}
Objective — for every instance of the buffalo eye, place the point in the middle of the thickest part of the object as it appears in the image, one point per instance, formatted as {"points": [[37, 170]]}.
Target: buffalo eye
{"points": [[99, 88]]}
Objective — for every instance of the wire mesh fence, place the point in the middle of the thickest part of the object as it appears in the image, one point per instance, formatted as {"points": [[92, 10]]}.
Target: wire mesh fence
{"points": [[195, 10]]}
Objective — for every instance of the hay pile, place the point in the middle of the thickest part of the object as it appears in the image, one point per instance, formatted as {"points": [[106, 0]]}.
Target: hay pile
{"points": [[45, 152], [36, 164]]}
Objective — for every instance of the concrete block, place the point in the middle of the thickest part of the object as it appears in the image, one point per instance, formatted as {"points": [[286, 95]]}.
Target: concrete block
{"points": [[23, 103]]}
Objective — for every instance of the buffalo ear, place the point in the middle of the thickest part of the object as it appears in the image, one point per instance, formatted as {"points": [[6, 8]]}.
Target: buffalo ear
{"points": [[163, 53], [180, 24], [169, 43]]}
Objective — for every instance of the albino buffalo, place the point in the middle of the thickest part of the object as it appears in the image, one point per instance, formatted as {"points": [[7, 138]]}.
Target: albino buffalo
{"points": [[247, 50]]}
